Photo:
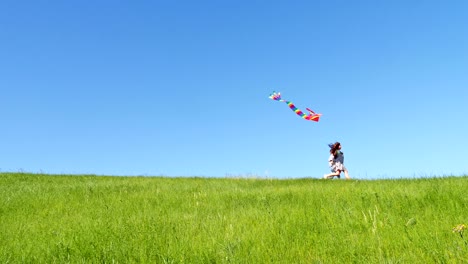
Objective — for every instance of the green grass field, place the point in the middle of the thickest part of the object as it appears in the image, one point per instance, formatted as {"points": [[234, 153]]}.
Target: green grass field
{"points": [[98, 219]]}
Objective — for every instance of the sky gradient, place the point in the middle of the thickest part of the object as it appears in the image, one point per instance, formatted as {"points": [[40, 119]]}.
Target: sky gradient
{"points": [[180, 88]]}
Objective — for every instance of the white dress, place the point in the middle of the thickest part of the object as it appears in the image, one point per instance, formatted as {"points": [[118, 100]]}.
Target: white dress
{"points": [[337, 163]]}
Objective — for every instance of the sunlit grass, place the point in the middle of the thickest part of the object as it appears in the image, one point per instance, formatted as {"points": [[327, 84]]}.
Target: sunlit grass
{"points": [[46, 219]]}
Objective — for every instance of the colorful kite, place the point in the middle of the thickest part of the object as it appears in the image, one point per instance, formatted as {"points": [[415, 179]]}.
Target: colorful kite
{"points": [[312, 116]]}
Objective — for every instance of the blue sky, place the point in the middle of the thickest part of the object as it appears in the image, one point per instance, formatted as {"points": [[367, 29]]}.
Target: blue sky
{"points": [[180, 88]]}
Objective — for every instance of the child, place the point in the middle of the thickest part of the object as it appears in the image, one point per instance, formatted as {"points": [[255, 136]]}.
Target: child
{"points": [[336, 162]]}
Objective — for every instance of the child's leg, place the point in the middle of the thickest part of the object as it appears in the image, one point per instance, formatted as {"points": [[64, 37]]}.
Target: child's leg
{"points": [[331, 175], [347, 175]]}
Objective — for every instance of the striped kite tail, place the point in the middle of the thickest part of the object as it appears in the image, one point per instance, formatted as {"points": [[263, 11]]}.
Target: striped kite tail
{"points": [[295, 109], [311, 116]]}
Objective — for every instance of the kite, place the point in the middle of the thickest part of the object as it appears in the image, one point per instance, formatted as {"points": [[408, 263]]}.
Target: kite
{"points": [[312, 116]]}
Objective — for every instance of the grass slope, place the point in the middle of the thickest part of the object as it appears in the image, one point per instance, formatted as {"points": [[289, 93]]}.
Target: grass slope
{"points": [[83, 219]]}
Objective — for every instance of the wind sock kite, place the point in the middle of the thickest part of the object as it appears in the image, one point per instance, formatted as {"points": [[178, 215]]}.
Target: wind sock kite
{"points": [[312, 116]]}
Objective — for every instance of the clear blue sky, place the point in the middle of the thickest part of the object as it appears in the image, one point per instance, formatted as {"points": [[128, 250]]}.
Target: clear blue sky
{"points": [[180, 88]]}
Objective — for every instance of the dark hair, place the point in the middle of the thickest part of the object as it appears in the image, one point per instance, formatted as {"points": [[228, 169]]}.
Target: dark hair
{"points": [[334, 147]]}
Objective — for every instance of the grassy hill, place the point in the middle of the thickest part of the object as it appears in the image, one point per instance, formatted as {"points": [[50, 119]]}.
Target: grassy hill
{"points": [[90, 219]]}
